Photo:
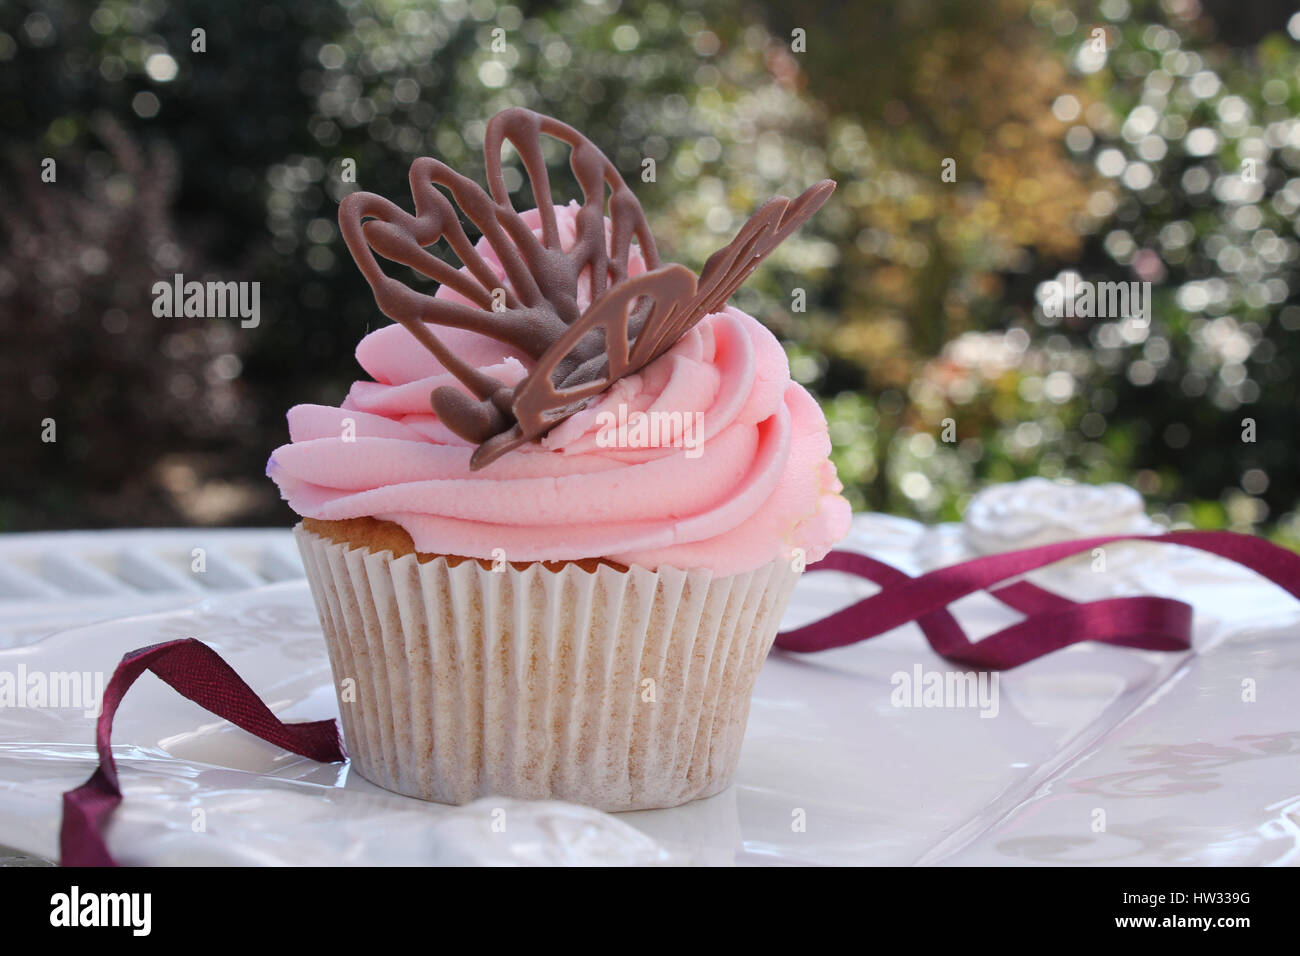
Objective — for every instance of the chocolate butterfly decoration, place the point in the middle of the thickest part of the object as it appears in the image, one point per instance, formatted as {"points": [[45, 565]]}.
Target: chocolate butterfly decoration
{"points": [[578, 354]]}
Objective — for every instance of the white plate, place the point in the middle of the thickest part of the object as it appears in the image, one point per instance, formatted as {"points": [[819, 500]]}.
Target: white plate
{"points": [[1095, 754]]}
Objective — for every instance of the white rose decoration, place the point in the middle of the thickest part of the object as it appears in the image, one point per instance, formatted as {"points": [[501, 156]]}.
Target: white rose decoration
{"points": [[1037, 511]]}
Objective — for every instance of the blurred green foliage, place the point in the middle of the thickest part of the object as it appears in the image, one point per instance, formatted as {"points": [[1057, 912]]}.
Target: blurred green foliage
{"points": [[1105, 139]]}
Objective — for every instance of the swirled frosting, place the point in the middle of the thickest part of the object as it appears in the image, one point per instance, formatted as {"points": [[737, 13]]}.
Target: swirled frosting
{"points": [[752, 483]]}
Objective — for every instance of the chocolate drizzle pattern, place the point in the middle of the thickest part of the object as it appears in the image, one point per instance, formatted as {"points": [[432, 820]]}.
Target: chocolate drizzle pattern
{"points": [[578, 353]]}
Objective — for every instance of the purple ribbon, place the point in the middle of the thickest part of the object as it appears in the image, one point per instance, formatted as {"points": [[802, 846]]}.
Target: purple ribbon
{"points": [[199, 673], [1052, 622]]}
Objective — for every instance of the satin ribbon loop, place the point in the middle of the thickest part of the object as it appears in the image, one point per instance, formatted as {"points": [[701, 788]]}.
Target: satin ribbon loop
{"points": [[197, 672], [1052, 621]]}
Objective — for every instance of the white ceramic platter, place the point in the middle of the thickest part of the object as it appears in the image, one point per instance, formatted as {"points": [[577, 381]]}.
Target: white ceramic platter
{"points": [[1092, 755]]}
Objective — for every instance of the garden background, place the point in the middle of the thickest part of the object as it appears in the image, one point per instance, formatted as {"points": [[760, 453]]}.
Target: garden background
{"points": [[1123, 140]]}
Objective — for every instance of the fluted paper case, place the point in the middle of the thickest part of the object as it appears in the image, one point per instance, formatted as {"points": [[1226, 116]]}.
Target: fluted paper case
{"points": [[621, 690]]}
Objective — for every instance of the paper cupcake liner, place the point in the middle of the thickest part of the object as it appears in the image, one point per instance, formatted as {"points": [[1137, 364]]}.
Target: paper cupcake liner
{"points": [[621, 690]]}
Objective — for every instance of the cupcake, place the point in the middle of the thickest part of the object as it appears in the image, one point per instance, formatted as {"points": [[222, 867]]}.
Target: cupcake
{"points": [[552, 534]]}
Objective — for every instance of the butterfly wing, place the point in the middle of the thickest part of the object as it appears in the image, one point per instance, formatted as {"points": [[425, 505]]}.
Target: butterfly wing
{"points": [[728, 268], [640, 319], [591, 355]]}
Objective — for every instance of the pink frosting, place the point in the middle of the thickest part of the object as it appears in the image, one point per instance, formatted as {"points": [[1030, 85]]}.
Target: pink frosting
{"points": [[754, 482]]}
